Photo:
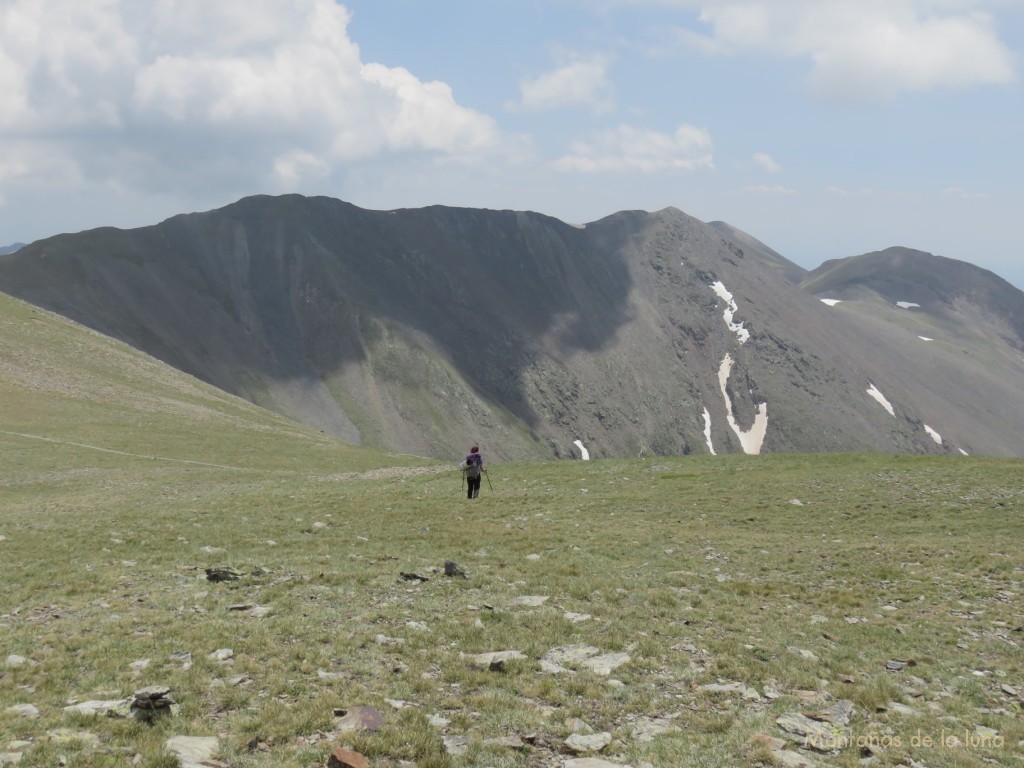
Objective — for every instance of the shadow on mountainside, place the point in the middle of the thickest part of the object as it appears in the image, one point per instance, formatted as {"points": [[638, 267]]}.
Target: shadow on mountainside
{"points": [[297, 289]]}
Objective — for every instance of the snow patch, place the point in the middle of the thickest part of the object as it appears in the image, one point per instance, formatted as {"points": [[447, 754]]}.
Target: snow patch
{"points": [[906, 304], [873, 391], [965, 453], [730, 310], [707, 431], [831, 302], [583, 451], [750, 439], [925, 338], [933, 434]]}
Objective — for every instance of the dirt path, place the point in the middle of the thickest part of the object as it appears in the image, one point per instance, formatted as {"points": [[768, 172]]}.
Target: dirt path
{"points": [[122, 453]]}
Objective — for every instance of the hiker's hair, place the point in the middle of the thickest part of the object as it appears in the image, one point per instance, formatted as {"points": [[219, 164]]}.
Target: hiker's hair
{"points": [[474, 449]]}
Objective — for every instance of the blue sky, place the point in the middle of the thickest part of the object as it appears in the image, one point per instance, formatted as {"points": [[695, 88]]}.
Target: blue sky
{"points": [[825, 128]]}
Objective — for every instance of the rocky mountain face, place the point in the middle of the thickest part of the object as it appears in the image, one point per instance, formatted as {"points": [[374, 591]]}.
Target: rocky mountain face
{"points": [[642, 333]]}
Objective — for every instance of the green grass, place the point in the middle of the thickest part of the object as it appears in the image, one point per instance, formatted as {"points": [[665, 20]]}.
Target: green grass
{"points": [[106, 568], [701, 569]]}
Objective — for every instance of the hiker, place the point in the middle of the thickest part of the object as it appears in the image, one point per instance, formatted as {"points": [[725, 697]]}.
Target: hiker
{"points": [[472, 467]]}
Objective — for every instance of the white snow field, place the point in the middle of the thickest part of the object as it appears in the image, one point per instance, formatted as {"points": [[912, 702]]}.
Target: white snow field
{"points": [[583, 451], [707, 431], [873, 391], [751, 439], [730, 310]]}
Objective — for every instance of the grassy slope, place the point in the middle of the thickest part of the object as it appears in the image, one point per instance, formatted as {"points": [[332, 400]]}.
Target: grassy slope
{"points": [[702, 569]]}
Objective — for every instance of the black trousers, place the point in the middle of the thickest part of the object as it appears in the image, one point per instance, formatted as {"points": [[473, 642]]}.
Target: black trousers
{"points": [[473, 487]]}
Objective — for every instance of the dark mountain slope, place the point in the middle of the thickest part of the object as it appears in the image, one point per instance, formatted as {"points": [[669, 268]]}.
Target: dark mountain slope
{"points": [[422, 330], [793, 272]]}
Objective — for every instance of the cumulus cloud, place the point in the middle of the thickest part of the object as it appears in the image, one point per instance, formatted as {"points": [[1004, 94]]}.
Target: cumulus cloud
{"points": [[866, 49], [766, 162], [582, 82], [236, 94], [632, 149]]}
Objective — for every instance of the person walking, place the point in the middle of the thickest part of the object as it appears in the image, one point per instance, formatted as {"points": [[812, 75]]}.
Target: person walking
{"points": [[472, 468]]}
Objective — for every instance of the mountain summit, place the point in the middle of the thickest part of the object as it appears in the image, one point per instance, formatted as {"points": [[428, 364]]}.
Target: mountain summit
{"points": [[423, 330]]}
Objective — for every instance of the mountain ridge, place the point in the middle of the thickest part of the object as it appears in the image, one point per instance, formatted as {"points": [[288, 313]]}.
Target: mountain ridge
{"points": [[426, 329]]}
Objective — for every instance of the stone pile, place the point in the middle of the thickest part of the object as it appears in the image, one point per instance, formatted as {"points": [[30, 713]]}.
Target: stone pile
{"points": [[152, 702]]}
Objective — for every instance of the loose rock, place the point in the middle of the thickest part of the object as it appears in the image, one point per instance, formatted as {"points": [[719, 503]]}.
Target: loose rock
{"points": [[223, 573], [346, 758], [358, 718], [581, 743], [451, 568]]}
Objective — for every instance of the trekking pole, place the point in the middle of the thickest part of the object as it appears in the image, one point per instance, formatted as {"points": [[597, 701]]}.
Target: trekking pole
{"points": [[488, 481]]}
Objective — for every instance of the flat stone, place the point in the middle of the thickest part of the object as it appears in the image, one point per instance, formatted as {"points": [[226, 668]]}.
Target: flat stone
{"points": [[194, 751], [359, 719], [591, 762], [71, 736], [647, 729], [803, 653], [487, 660], [152, 693], [578, 725], [346, 758], [101, 708], [837, 714], [606, 664], [550, 668], [14, 661], [10, 758], [455, 745], [821, 737], [24, 710], [581, 743], [532, 601], [792, 759], [506, 742], [571, 654]]}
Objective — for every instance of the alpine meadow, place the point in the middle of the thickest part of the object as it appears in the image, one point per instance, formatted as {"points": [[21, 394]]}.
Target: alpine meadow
{"points": [[199, 570]]}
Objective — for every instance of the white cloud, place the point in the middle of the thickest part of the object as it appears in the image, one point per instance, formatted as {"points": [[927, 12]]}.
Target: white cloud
{"points": [[580, 83], [962, 194], [765, 189], [866, 49], [235, 95], [631, 149], [766, 162]]}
